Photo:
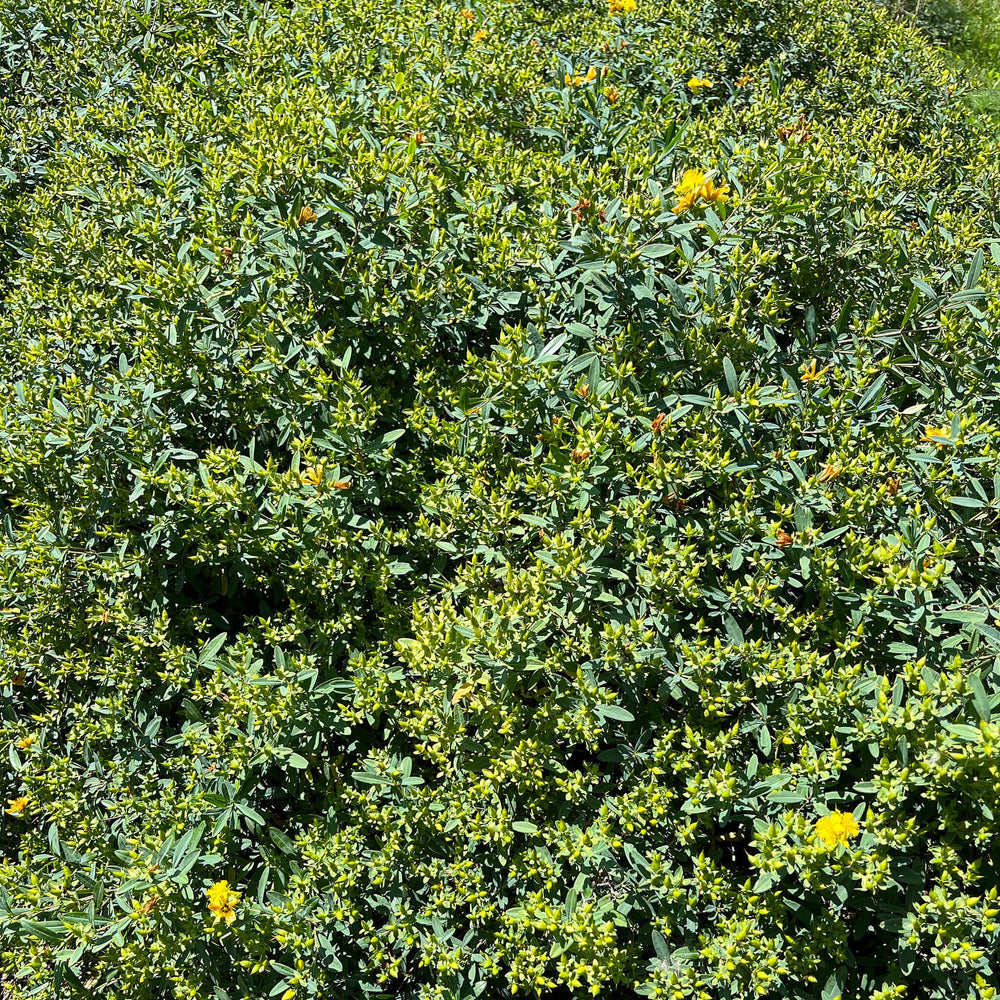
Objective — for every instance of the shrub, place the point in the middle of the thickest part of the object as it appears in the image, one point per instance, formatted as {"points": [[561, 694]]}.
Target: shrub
{"points": [[435, 567]]}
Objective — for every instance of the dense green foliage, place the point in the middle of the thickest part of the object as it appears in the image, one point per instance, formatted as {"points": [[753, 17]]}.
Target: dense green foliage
{"points": [[490, 572]]}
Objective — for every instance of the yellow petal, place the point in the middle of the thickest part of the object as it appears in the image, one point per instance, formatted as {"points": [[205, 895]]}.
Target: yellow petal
{"points": [[691, 181]]}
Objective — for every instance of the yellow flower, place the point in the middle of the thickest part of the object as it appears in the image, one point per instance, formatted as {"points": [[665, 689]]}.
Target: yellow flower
{"points": [[830, 472], [837, 828], [696, 83], [225, 912], [312, 475], [575, 81], [467, 14], [16, 806], [305, 215], [691, 181], [621, 6], [709, 192], [612, 94], [686, 202], [809, 373], [217, 894], [222, 902], [480, 35], [694, 185], [26, 742], [937, 435]]}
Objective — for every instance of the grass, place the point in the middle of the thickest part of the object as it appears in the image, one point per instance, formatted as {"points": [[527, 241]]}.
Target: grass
{"points": [[980, 43], [977, 56], [970, 31]]}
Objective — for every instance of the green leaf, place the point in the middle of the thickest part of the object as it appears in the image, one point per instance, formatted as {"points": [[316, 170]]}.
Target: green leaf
{"points": [[189, 840], [656, 251], [212, 647], [968, 733], [280, 840], [962, 615], [615, 712], [786, 797], [733, 630], [975, 269], [732, 381], [46, 930], [980, 699], [972, 502], [872, 393], [368, 778], [550, 352], [660, 946], [834, 986]]}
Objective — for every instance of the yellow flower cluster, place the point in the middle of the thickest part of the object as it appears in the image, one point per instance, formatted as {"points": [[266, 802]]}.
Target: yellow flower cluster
{"points": [[575, 81], [16, 806], [694, 187], [621, 6], [937, 435], [837, 828], [222, 902], [700, 83]]}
